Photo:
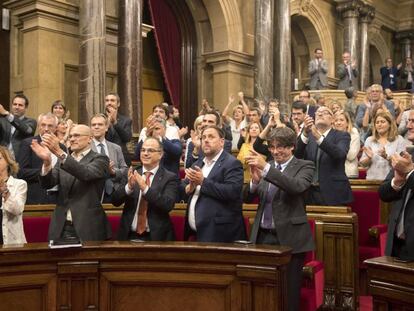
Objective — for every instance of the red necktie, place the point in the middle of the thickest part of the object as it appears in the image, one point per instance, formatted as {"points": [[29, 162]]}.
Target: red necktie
{"points": [[143, 208]]}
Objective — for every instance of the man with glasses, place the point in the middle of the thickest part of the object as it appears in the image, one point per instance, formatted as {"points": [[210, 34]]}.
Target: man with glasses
{"points": [[172, 148], [148, 197], [281, 218], [81, 178], [328, 149], [347, 72], [117, 165]]}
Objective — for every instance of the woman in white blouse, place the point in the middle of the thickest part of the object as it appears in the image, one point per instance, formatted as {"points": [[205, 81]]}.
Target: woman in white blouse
{"points": [[343, 123], [379, 147], [13, 198]]}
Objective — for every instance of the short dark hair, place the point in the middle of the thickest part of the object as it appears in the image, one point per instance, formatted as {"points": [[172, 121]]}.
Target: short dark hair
{"points": [[161, 106], [349, 92], [257, 109], [299, 105], [284, 136], [26, 100], [213, 112], [157, 140], [219, 131], [318, 49], [118, 99]]}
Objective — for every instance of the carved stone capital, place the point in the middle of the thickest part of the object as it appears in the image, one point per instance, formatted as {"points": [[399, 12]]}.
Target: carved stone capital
{"points": [[367, 14], [349, 8], [406, 34], [305, 5]]}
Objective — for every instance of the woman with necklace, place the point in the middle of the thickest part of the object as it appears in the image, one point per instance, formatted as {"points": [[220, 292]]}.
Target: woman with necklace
{"points": [[13, 193]]}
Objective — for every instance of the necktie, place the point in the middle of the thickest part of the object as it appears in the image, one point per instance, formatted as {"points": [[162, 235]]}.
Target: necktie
{"points": [[102, 149], [267, 222], [143, 208], [109, 185], [317, 160]]}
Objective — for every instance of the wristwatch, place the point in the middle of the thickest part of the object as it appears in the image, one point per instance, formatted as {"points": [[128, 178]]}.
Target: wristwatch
{"points": [[62, 157]]}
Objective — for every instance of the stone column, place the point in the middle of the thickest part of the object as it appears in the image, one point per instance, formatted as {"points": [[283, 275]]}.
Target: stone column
{"points": [[350, 13], [263, 50], [282, 63], [130, 60], [367, 15], [92, 69]]}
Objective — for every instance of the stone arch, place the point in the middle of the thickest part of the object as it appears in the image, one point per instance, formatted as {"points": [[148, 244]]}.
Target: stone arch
{"points": [[380, 44], [378, 51], [321, 29]]}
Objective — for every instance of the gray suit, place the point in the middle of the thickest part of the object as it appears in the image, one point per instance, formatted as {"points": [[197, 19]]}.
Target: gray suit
{"points": [[80, 190], [289, 216], [344, 79], [115, 154], [25, 127], [318, 74]]}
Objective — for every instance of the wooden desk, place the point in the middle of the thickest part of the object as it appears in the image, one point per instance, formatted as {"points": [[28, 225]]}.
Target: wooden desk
{"points": [[145, 276], [391, 283]]}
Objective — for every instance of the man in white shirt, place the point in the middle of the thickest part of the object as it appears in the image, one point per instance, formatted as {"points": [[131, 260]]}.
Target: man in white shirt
{"points": [[214, 185], [148, 197]]}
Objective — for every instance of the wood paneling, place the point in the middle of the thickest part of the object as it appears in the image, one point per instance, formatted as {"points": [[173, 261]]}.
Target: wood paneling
{"points": [[145, 276]]}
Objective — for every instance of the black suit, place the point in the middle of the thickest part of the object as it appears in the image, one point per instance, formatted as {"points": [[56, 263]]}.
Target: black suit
{"points": [[160, 196], [121, 134], [333, 182], [30, 166], [81, 186], [403, 249], [25, 127], [289, 216]]}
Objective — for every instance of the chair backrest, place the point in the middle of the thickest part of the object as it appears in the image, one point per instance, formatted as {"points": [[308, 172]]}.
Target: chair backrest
{"points": [[36, 228], [367, 206], [115, 222], [178, 222]]}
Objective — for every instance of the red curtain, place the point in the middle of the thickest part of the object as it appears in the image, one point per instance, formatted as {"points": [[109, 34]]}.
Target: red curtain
{"points": [[168, 39]]}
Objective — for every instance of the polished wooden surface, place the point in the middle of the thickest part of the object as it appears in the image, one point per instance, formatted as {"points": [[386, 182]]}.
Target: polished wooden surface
{"points": [[391, 283], [149, 276]]}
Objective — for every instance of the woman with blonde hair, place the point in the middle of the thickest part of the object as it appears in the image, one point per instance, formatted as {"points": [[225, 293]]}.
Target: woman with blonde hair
{"points": [[252, 132], [343, 122], [193, 139], [382, 144], [13, 193]]}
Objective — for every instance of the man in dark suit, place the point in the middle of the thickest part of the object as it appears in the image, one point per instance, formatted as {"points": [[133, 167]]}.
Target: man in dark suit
{"points": [[172, 148], [14, 126], [30, 165], [81, 178], [120, 126], [328, 149], [149, 196], [117, 166], [214, 184], [305, 97], [281, 218], [398, 188], [389, 75]]}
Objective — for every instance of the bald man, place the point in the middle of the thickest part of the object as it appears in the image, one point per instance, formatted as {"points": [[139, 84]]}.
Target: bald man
{"points": [[81, 177]]}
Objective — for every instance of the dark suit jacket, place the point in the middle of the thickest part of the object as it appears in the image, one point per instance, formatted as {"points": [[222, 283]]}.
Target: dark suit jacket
{"points": [[218, 210], [121, 134], [388, 194], [333, 182], [81, 186], [386, 81], [288, 208], [161, 198], [25, 127], [344, 80], [172, 154], [30, 166]]}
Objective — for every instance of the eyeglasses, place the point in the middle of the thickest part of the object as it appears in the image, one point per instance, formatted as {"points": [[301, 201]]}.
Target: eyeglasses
{"points": [[150, 150], [76, 135], [278, 147], [323, 113]]}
